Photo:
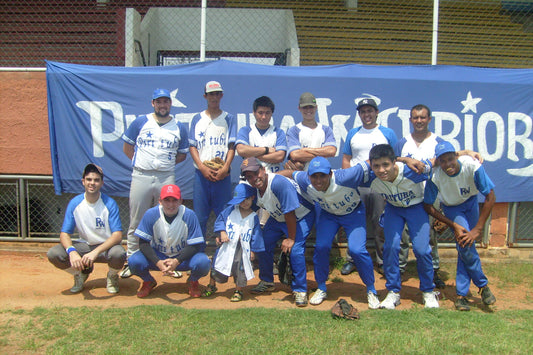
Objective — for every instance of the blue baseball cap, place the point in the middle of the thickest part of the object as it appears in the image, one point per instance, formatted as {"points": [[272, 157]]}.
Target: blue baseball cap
{"points": [[160, 93], [319, 165], [242, 192], [443, 148]]}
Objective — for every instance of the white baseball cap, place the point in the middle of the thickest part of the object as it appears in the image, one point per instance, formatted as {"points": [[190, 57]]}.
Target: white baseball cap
{"points": [[213, 86]]}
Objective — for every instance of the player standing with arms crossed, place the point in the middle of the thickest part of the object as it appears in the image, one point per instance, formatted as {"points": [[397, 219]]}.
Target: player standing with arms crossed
{"points": [[457, 182], [154, 143], [308, 139], [212, 136]]}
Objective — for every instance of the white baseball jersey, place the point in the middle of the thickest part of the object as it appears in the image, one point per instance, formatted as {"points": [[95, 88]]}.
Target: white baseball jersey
{"points": [[212, 136], [407, 147], [342, 196], [272, 137], [300, 136], [406, 190], [156, 145], [95, 221], [282, 196], [454, 190], [167, 238], [360, 140], [246, 231]]}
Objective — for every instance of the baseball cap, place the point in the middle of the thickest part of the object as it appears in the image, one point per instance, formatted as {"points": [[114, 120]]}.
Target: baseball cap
{"points": [[443, 148], [319, 165], [170, 191], [92, 168], [160, 93], [213, 86], [250, 164], [367, 102], [241, 193], [307, 99]]}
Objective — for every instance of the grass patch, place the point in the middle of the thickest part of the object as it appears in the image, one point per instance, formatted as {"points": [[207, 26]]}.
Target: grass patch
{"points": [[170, 329]]}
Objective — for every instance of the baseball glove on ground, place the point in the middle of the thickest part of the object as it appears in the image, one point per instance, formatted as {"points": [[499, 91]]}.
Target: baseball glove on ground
{"points": [[344, 310], [284, 269], [214, 164], [439, 226]]}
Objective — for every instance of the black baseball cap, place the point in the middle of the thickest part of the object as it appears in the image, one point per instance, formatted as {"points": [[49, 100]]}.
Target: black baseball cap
{"points": [[93, 168]]}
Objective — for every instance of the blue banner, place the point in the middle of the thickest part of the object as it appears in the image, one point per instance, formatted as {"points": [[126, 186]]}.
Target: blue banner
{"points": [[487, 110]]}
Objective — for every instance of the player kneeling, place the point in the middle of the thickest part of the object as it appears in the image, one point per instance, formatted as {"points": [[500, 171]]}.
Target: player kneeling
{"points": [[170, 238], [457, 182]]}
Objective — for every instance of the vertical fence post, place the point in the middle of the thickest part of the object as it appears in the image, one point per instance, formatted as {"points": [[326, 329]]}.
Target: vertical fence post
{"points": [[23, 209], [202, 30], [435, 32]]}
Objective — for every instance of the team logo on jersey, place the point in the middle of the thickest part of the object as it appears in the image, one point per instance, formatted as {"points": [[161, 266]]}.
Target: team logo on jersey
{"points": [[100, 223]]}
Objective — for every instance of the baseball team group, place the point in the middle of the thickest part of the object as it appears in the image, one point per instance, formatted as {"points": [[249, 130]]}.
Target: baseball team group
{"points": [[386, 190]]}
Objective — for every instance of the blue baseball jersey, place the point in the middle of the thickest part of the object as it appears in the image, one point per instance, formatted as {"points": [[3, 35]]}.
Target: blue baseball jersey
{"points": [[342, 196], [457, 189], [271, 137], [406, 190], [360, 140], [212, 136], [95, 221], [282, 196], [156, 145], [167, 238], [407, 147], [300, 136]]}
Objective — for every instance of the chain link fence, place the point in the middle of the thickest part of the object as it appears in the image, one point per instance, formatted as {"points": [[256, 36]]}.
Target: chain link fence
{"points": [[304, 32]]}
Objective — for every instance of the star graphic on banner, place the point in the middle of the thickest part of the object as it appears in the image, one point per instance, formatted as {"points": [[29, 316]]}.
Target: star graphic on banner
{"points": [[149, 134], [175, 101], [470, 103]]}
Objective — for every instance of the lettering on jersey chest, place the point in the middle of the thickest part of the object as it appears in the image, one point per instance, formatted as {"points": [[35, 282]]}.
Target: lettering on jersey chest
{"points": [[404, 197]]}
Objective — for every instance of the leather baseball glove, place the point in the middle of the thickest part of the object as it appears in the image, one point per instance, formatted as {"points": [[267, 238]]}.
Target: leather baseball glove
{"points": [[215, 164], [284, 269], [344, 310]]}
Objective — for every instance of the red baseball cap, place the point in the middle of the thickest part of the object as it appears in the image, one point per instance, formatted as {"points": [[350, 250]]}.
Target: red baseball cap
{"points": [[170, 191]]}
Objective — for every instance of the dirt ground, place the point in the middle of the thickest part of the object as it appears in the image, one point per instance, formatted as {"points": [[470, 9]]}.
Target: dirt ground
{"points": [[28, 280]]}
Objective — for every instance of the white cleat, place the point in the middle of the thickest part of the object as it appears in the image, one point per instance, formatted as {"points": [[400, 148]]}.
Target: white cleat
{"points": [[373, 301], [318, 297], [431, 300], [391, 301]]}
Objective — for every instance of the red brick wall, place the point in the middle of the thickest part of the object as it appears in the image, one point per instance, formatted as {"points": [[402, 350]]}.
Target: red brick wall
{"points": [[24, 139]]}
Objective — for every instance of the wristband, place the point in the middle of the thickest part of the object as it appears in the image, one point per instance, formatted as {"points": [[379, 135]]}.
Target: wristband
{"points": [[266, 150], [70, 249]]}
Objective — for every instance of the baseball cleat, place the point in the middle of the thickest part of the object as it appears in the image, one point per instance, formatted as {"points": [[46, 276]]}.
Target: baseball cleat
{"points": [[79, 280], [318, 297], [391, 301]]}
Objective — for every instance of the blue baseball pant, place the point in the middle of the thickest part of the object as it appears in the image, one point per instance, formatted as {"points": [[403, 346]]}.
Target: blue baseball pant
{"points": [[139, 265], [209, 195], [418, 223], [354, 225], [468, 261], [274, 231]]}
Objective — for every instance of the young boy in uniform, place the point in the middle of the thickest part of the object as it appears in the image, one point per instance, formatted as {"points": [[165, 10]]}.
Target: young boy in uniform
{"points": [[457, 182], [403, 190], [240, 238]]}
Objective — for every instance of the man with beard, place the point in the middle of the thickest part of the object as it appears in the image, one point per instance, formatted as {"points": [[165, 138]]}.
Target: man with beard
{"points": [[155, 143]]}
